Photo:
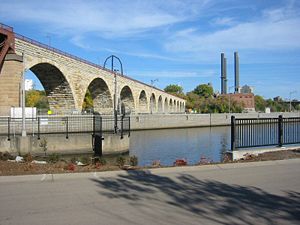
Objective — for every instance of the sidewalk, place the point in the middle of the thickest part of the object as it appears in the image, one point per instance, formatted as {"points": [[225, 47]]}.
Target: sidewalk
{"points": [[237, 193]]}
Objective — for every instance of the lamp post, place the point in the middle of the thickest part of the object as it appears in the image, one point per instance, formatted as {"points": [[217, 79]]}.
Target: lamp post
{"points": [[292, 92], [23, 98], [115, 86], [151, 103], [230, 96]]}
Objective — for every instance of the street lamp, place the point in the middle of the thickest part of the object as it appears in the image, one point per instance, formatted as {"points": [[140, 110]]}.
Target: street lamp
{"points": [[23, 98], [292, 92], [115, 86], [152, 86], [229, 95]]}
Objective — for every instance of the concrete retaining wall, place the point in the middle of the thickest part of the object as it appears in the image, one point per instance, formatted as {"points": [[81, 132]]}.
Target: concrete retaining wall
{"points": [[79, 143], [165, 121]]}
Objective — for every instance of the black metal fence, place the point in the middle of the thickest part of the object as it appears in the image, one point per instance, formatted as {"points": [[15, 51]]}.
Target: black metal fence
{"points": [[44, 125], [246, 133]]}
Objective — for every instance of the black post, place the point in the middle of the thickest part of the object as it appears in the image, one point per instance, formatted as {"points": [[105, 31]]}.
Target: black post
{"points": [[129, 126], [39, 122], [8, 129], [122, 127], [97, 137], [67, 128], [280, 133], [232, 133]]}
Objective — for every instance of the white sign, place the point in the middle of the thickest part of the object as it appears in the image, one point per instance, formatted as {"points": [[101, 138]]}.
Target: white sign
{"points": [[16, 112]]}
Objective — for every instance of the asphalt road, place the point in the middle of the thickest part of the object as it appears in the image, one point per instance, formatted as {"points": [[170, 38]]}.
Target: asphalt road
{"points": [[246, 193]]}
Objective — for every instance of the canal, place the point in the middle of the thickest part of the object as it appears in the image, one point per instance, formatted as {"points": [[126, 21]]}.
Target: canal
{"points": [[192, 144]]}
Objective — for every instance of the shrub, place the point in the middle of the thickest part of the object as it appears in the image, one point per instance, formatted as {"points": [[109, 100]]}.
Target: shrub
{"points": [[102, 161], [28, 157], [53, 158], [120, 161], [85, 160], [5, 156], [73, 160], [133, 160]]}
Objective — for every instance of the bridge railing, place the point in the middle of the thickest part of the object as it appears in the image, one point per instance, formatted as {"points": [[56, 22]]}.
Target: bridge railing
{"points": [[246, 133], [45, 125]]}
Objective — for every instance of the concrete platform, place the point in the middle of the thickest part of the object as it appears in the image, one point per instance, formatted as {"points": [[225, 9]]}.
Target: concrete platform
{"points": [[241, 153]]}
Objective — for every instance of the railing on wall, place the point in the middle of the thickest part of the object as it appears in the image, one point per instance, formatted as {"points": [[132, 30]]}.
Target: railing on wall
{"points": [[246, 133], [66, 125]]}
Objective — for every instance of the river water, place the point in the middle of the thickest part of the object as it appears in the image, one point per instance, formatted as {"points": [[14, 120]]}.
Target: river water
{"points": [[192, 144]]}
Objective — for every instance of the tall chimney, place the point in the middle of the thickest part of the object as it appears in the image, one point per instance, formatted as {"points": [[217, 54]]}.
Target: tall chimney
{"points": [[236, 73], [225, 77], [222, 73]]}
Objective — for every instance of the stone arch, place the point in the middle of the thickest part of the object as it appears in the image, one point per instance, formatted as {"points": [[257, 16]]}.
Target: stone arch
{"points": [[152, 103], [160, 104], [143, 104], [174, 106], [171, 105], [101, 96], [57, 88], [166, 106], [127, 99]]}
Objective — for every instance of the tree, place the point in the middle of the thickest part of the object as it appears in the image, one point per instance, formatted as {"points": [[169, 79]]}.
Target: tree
{"points": [[88, 101], [204, 90], [260, 103], [174, 89], [36, 98]]}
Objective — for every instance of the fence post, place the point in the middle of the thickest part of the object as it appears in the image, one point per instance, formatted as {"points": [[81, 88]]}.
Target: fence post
{"points": [[8, 129], [129, 126], [67, 128], [280, 133], [122, 120], [232, 133], [39, 123]]}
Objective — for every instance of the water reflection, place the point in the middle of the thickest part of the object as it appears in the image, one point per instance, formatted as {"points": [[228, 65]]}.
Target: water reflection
{"points": [[171, 144]]}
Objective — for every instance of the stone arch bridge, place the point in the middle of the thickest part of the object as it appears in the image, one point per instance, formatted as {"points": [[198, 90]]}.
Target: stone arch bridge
{"points": [[67, 78]]}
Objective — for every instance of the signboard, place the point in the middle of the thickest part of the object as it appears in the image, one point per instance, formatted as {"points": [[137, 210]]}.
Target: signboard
{"points": [[16, 112]]}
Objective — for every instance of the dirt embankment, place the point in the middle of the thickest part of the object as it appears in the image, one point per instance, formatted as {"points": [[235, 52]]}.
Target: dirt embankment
{"points": [[55, 165]]}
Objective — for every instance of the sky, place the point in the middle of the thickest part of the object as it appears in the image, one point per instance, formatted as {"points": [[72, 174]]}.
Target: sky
{"points": [[173, 41]]}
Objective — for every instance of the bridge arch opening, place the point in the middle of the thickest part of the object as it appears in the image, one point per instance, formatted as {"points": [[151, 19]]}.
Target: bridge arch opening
{"points": [[98, 98], [152, 103], [174, 106], [166, 107], [160, 104], [57, 89], [127, 99], [143, 104], [171, 105]]}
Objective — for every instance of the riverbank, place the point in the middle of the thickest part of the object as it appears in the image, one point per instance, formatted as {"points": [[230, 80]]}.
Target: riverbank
{"points": [[27, 167]]}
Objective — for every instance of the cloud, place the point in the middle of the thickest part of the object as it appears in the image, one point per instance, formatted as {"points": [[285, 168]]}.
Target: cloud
{"points": [[109, 18], [177, 74], [276, 30], [224, 21]]}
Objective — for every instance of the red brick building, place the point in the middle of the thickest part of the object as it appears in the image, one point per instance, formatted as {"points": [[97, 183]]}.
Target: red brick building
{"points": [[246, 99]]}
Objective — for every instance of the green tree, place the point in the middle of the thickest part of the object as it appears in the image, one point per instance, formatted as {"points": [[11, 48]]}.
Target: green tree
{"points": [[204, 90], [174, 89], [36, 98], [260, 103], [88, 101]]}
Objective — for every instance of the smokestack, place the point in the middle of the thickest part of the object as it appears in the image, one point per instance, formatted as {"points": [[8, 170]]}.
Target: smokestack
{"points": [[236, 73], [225, 76], [222, 73]]}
